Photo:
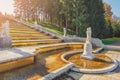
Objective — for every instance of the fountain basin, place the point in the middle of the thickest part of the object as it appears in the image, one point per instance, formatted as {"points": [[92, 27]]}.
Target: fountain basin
{"points": [[101, 64]]}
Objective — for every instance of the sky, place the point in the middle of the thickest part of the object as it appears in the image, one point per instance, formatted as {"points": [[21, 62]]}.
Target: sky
{"points": [[7, 6], [115, 4]]}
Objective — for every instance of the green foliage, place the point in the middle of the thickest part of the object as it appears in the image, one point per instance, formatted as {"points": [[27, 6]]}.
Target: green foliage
{"points": [[30, 21], [96, 18], [75, 15], [55, 29]]}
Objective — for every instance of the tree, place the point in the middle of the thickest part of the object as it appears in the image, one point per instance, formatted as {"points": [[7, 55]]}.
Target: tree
{"points": [[108, 12], [108, 18], [75, 15], [116, 26]]}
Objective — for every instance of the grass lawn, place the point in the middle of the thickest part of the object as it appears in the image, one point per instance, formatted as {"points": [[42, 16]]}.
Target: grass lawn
{"points": [[50, 27], [110, 40], [56, 29], [53, 28]]}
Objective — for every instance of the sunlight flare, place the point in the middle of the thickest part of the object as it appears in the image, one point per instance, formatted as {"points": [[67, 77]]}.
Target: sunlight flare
{"points": [[6, 6]]}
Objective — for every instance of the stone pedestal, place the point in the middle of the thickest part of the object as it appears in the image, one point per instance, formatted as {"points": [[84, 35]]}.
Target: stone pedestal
{"points": [[5, 42]]}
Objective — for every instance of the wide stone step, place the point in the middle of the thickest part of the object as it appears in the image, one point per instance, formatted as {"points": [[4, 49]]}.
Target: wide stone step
{"points": [[27, 31], [19, 32], [23, 29], [14, 58], [11, 28], [28, 35], [22, 32], [34, 42], [32, 38], [20, 29], [50, 48], [46, 48], [44, 40]]}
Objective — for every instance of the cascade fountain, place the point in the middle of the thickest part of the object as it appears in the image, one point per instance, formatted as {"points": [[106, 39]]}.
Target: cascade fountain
{"points": [[87, 62]]}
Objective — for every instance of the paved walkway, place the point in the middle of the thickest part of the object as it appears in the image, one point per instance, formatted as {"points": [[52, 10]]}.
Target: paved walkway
{"points": [[13, 54], [116, 44]]}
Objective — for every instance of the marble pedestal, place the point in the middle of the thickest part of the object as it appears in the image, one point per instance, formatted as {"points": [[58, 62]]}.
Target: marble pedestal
{"points": [[87, 54], [5, 42]]}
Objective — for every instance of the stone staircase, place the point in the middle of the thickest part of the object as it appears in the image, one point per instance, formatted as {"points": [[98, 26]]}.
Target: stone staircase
{"points": [[23, 35]]}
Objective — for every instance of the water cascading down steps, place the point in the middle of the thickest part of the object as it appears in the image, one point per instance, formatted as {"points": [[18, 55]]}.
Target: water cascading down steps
{"points": [[23, 35], [16, 34]]}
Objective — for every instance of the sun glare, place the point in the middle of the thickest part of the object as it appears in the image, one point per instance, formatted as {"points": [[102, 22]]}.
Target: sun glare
{"points": [[6, 6]]}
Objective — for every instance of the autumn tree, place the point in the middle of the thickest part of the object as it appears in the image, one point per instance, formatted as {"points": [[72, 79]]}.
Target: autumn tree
{"points": [[108, 13], [108, 17]]}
